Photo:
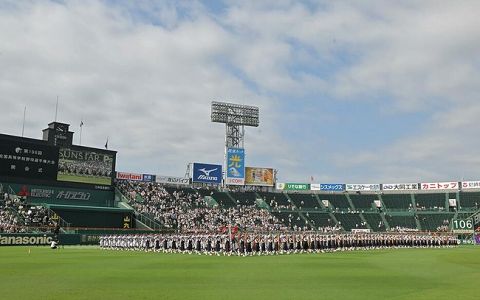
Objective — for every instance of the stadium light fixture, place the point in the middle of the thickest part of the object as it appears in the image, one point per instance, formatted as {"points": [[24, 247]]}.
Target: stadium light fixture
{"points": [[235, 117], [235, 114]]}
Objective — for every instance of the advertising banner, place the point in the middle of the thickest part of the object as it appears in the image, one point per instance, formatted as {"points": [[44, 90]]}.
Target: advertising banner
{"points": [[314, 186], [470, 185], [431, 186], [259, 176], [148, 177], [332, 187], [235, 166], [129, 176], [172, 180], [400, 186], [207, 173], [362, 187], [293, 186], [135, 177], [85, 166], [62, 195], [25, 239], [22, 159]]}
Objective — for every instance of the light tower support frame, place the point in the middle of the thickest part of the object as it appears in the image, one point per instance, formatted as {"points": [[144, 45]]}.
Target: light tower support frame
{"points": [[235, 117]]}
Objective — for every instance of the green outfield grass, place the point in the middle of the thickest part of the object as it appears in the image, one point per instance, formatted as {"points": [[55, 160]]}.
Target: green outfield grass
{"points": [[90, 273], [85, 179]]}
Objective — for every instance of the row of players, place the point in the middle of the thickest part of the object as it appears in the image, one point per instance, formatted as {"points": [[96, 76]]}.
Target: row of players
{"points": [[248, 244]]}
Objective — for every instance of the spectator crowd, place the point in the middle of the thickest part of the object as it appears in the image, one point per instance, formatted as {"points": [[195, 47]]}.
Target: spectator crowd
{"points": [[187, 211], [16, 216]]}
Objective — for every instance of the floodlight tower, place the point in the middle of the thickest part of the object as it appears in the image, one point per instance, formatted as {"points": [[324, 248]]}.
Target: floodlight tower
{"points": [[235, 117]]}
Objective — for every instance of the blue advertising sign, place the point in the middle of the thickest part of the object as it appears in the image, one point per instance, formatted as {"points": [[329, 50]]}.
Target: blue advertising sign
{"points": [[235, 166], [332, 187], [207, 173], [148, 177]]}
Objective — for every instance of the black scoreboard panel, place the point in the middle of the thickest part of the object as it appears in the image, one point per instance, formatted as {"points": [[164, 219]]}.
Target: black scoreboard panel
{"points": [[25, 159], [38, 162]]}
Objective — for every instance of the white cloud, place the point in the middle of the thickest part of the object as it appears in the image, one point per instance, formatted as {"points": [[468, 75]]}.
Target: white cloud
{"points": [[144, 75]]}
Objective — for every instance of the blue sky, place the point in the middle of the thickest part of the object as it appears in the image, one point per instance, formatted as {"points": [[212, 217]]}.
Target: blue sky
{"points": [[349, 91]]}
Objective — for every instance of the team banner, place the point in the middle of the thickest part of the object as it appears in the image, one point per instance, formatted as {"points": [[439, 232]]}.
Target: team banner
{"points": [[235, 166], [85, 166], [293, 186], [207, 173], [400, 186], [332, 187], [362, 187], [172, 180], [431, 186], [470, 185], [259, 176]]}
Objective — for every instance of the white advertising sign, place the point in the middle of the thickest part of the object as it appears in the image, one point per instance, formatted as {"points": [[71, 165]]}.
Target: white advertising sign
{"points": [[362, 187], [400, 186], [466, 185], [432, 186]]}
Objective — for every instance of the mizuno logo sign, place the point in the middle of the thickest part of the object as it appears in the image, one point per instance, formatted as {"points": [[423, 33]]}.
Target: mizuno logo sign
{"points": [[207, 172]]}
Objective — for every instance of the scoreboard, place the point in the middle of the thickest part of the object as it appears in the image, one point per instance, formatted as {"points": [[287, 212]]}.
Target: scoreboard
{"points": [[40, 162]]}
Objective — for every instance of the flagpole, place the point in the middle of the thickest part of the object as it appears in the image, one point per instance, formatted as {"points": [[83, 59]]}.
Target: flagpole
{"points": [[56, 110], [81, 127], [23, 124]]}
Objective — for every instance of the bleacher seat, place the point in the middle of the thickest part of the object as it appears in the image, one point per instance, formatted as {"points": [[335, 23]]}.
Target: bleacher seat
{"points": [[397, 201], [375, 221], [363, 201]]}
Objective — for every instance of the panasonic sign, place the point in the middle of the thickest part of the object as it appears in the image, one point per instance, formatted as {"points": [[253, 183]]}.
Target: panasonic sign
{"points": [[18, 240]]}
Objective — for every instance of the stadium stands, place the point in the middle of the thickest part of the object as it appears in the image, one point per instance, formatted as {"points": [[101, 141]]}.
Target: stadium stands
{"points": [[435, 221], [399, 222], [244, 198], [223, 199], [350, 221], [305, 201], [292, 219], [321, 221], [469, 201], [276, 200], [338, 201], [375, 221], [363, 201], [397, 201], [434, 201]]}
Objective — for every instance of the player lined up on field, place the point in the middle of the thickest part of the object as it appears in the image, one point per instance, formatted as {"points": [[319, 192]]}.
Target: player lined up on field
{"points": [[256, 244]]}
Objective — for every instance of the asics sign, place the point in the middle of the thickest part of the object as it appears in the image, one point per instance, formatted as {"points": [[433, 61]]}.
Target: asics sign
{"points": [[207, 173]]}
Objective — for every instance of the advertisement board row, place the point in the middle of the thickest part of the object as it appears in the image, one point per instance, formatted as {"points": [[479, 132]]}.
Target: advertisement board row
{"points": [[375, 187], [135, 177]]}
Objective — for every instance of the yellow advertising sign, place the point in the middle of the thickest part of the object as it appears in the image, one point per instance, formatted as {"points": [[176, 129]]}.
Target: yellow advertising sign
{"points": [[259, 176]]}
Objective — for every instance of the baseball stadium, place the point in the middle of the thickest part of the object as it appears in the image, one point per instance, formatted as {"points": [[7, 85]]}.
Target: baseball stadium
{"points": [[253, 149], [73, 227]]}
